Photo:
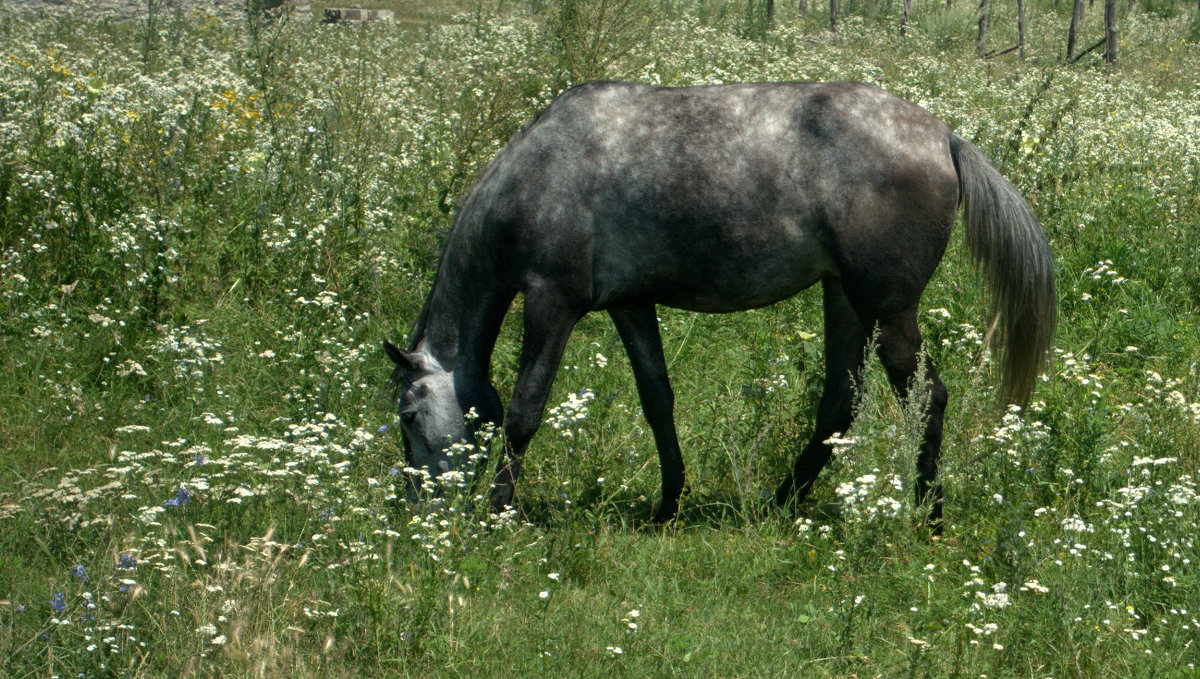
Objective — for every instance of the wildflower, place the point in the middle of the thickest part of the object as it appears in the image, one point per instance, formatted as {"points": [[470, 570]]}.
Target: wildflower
{"points": [[544, 594], [181, 497], [838, 441], [77, 571], [1034, 586], [57, 603], [615, 650]]}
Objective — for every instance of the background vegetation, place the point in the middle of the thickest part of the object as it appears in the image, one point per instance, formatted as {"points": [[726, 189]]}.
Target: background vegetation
{"points": [[207, 229]]}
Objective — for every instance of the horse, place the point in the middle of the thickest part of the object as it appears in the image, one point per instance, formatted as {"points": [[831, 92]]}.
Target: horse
{"points": [[621, 196]]}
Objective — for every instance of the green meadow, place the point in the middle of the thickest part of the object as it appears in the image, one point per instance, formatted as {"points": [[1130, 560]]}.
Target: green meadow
{"points": [[208, 227]]}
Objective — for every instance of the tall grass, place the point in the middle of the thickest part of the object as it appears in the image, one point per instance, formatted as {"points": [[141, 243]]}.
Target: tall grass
{"points": [[207, 228]]}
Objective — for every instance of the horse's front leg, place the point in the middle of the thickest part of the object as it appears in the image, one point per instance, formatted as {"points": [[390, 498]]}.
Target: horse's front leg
{"points": [[549, 319], [638, 327]]}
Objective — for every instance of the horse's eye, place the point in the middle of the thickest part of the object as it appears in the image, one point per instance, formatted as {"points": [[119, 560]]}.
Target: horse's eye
{"points": [[408, 417]]}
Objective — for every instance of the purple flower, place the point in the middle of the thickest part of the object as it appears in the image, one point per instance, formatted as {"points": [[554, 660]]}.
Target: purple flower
{"points": [[57, 603], [126, 562], [394, 471], [181, 497], [78, 572], [20, 608], [382, 429]]}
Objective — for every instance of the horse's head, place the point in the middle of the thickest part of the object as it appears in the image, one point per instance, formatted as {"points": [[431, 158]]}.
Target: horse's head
{"points": [[440, 412]]}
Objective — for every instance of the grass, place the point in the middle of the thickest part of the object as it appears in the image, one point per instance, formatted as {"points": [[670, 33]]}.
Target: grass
{"points": [[207, 229]]}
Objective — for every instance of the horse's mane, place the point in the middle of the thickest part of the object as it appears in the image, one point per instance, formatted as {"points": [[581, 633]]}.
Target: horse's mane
{"points": [[418, 328]]}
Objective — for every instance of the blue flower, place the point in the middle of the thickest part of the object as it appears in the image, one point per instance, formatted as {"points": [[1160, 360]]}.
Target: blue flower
{"points": [[394, 471], [57, 603], [126, 562], [382, 429], [181, 497], [78, 572]]}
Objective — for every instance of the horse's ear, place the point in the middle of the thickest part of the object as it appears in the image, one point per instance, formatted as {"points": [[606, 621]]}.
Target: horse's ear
{"points": [[405, 360]]}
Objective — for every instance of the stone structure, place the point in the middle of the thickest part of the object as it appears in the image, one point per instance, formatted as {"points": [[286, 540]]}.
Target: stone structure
{"points": [[334, 15]]}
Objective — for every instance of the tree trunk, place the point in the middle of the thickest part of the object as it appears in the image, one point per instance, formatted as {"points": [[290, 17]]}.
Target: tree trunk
{"points": [[1020, 26], [1076, 17], [770, 14], [1110, 32], [803, 9], [981, 43], [904, 18], [833, 12]]}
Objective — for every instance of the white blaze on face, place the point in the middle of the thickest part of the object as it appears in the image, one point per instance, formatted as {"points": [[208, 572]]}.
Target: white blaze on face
{"points": [[432, 417]]}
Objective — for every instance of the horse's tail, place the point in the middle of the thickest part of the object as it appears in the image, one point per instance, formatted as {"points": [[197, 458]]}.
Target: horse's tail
{"points": [[1008, 244]]}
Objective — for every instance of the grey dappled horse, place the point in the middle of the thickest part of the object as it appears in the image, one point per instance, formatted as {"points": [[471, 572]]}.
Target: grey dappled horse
{"points": [[622, 196]]}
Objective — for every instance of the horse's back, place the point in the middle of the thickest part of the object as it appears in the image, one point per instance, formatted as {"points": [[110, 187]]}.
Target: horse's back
{"points": [[716, 198]]}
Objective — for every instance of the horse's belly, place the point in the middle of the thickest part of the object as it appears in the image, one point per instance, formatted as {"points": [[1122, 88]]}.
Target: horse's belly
{"points": [[758, 285], [712, 274]]}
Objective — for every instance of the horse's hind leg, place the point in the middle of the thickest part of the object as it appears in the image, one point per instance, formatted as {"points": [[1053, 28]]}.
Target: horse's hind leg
{"points": [[846, 335], [638, 327], [899, 350]]}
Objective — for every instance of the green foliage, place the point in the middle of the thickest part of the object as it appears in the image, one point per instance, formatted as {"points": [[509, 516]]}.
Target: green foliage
{"points": [[1193, 29], [589, 38], [207, 229]]}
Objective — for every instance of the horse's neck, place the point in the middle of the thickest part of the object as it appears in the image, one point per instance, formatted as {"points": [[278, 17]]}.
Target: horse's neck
{"points": [[462, 316]]}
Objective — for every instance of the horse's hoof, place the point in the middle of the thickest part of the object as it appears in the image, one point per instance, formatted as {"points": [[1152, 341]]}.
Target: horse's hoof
{"points": [[665, 513]]}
